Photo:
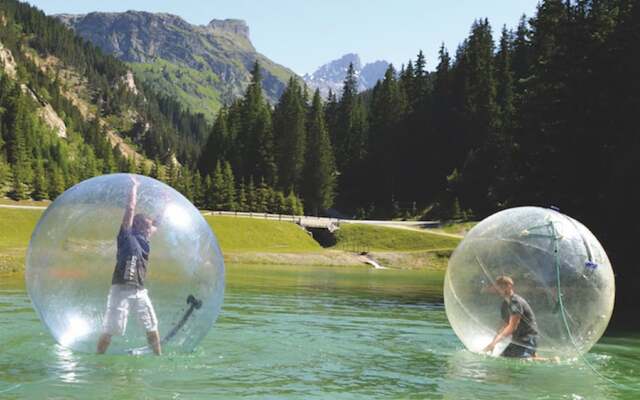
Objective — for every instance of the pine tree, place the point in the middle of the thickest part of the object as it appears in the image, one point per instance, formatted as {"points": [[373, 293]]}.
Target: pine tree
{"points": [[5, 171], [252, 196], [443, 157], [56, 183], [171, 176], [242, 203], [331, 117], [293, 205], [209, 193], [229, 192], [386, 147], [17, 134], [198, 190], [157, 171], [18, 191], [218, 188], [546, 106], [290, 135], [256, 135], [186, 183], [88, 165], [348, 141], [216, 147], [144, 168], [421, 79], [70, 176], [132, 165], [407, 79], [504, 79], [109, 164], [320, 170], [265, 165], [482, 123], [351, 141], [521, 53], [263, 194], [39, 182], [277, 203]]}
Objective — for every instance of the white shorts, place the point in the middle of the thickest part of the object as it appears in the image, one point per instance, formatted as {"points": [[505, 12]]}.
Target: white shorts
{"points": [[121, 296]]}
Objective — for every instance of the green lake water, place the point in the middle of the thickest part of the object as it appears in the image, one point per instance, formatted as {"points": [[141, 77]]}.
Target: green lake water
{"points": [[308, 333]]}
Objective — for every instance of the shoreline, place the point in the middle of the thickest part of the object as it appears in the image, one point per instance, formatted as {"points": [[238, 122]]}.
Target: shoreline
{"points": [[415, 260], [427, 260]]}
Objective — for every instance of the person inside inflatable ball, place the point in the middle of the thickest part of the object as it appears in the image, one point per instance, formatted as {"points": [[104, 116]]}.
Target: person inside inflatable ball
{"points": [[519, 321], [127, 283]]}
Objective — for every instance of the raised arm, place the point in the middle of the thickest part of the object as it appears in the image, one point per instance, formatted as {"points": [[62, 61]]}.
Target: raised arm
{"points": [[129, 210]]}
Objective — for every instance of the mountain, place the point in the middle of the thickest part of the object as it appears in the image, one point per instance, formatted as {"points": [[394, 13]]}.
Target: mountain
{"points": [[69, 112], [204, 66], [330, 76]]}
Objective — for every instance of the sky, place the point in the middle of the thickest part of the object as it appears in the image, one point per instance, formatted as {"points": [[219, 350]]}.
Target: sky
{"points": [[305, 34]]}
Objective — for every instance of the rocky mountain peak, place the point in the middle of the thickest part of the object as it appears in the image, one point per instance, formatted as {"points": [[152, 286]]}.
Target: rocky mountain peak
{"points": [[205, 65], [331, 76], [235, 26]]}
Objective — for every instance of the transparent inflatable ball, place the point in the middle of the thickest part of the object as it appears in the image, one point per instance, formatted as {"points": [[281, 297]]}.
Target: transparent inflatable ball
{"points": [[555, 266], [125, 257]]}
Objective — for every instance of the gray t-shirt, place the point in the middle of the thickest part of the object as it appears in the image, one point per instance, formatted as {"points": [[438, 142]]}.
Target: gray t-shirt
{"points": [[519, 306], [132, 259]]}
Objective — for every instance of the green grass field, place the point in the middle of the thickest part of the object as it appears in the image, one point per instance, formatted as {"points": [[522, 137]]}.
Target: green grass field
{"points": [[457, 228], [362, 237], [16, 226], [262, 239], [250, 234]]}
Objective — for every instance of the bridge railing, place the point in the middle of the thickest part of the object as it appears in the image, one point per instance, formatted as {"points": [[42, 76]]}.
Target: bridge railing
{"points": [[303, 220]]}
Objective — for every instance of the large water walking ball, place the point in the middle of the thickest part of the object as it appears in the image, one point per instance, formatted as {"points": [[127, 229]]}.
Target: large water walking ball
{"points": [[72, 255], [557, 266]]}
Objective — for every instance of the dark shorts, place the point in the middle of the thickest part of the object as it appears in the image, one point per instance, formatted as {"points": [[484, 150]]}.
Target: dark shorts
{"points": [[525, 348]]}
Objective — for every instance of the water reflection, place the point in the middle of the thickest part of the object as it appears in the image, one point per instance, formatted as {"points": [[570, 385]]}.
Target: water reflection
{"points": [[67, 365], [520, 379]]}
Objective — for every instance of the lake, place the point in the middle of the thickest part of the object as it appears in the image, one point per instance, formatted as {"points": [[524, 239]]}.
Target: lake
{"points": [[312, 332]]}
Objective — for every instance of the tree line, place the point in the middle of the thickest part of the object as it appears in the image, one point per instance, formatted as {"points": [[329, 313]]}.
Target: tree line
{"points": [[287, 147], [544, 116]]}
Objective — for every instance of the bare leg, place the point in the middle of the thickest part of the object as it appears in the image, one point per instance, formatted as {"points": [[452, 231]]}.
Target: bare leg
{"points": [[153, 337], [103, 343]]}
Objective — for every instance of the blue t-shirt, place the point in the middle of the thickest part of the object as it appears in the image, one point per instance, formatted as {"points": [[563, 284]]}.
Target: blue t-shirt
{"points": [[132, 259]]}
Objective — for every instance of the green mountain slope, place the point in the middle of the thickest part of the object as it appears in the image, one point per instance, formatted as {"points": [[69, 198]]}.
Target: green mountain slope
{"points": [[202, 66], [193, 88], [69, 112]]}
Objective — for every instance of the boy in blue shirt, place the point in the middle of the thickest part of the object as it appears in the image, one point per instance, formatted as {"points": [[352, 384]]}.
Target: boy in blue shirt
{"points": [[127, 283]]}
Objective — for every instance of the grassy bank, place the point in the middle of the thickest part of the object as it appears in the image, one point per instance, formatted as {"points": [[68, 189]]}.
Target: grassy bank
{"points": [[456, 228], [398, 248], [16, 226], [237, 234], [364, 237], [257, 241]]}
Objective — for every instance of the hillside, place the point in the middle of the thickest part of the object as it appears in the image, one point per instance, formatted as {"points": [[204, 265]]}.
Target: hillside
{"points": [[202, 66], [70, 112]]}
